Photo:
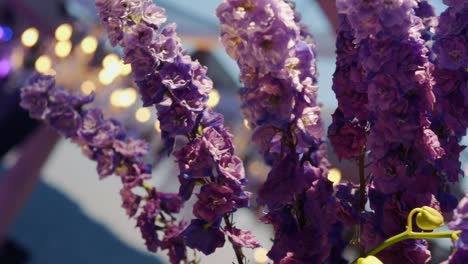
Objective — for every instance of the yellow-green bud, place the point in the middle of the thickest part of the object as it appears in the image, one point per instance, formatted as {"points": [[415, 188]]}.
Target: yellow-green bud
{"points": [[369, 260], [429, 218]]}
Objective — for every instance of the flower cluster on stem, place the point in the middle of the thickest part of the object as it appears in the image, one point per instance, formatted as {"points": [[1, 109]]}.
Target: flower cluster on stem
{"points": [[278, 69], [390, 39], [460, 222], [106, 142], [450, 119], [179, 87]]}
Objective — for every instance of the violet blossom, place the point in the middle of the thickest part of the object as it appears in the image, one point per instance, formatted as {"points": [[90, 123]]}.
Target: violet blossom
{"points": [[460, 222], [106, 142], [276, 57], [179, 87], [450, 119], [390, 39]]}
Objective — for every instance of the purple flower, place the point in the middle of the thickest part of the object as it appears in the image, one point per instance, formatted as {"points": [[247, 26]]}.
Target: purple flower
{"points": [[66, 121], [166, 45], [218, 142], [241, 238], [179, 88], [130, 201], [213, 202], [459, 257], [131, 147], [146, 223], [203, 236], [267, 102], [277, 61], [138, 35], [153, 15], [194, 159], [460, 221], [286, 180], [348, 138], [170, 202], [232, 168], [174, 242], [106, 142], [107, 161]]}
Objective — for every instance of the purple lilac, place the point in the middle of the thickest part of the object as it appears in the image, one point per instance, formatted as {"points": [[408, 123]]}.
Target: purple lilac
{"points": [[179, 87], [403, 148], [106, 142], [277, 61]]}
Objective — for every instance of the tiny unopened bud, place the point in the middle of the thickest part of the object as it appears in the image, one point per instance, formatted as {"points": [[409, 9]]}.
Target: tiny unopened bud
{"points": [[369, 260], [429, 218]]}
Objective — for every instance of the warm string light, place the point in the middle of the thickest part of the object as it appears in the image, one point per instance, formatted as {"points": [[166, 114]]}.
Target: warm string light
{"points": [[30, 37], [157, 126], [43, 64], [143, 115], [123, 97], [126, 70], [63, 48], [334, 175], [89, 44], [260, 256], [87, 87], [63, 32], [246, 124], [213, 99], [112, 68]]}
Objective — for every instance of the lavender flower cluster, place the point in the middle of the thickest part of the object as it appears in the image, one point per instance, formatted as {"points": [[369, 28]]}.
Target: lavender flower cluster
{"points": [[277, 61], [106, 142], [386, 44], [179, 88]]}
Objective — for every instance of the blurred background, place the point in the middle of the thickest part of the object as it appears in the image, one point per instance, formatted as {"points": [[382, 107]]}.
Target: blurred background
{"points": [[67, 215]]}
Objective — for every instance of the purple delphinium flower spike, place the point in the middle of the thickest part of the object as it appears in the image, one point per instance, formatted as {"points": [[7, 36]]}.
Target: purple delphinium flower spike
{"points": [[450, 120], [179, 87], [391, 38], [460, 222], [349, 127], [277, 61], [106, 142]]}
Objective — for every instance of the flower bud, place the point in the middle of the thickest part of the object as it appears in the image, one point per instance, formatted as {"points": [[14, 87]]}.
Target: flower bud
{"points": [[369, 260], [429, 218]]}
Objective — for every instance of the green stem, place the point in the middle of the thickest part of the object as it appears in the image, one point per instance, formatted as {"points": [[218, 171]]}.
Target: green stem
{"points": [[362, 198]]}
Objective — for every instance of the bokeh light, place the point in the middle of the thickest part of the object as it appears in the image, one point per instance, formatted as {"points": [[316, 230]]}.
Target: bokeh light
{"points": [[5, 67], [64, 32], [89, 44], [109, 60], [213, 99], [43, 64], [143, 115], [7, 34], [87, 87], [123, 97], [126, 69], [246, 124], [63, 48], [106, 77], [260, 255], [30, 37], [334, 175], [157, 126]]}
